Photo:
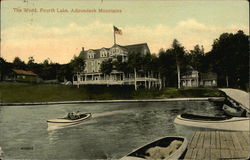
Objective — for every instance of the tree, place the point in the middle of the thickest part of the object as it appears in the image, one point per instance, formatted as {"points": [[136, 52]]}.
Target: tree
{"points": [[135, 63], [167, 67], [31, 64], [45, 70], [4, 68], [230, 59], [155, 63], [147, 63], [18, 63], [65, 72], [31, 60], [78, 64], [195, 58], [179, 52], [106, 66], [120, 65]]}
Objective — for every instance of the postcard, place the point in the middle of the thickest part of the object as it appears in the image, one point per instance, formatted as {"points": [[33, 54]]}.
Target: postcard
{"points": [[125, 79]]}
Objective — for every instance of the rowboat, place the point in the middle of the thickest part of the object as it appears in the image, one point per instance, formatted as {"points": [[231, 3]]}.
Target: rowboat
{"points": [[66, 120], [171, 147], [219, 123]]}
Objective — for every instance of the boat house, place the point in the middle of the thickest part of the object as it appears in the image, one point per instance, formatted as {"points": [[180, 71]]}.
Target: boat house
{"points": [[94, 58]]}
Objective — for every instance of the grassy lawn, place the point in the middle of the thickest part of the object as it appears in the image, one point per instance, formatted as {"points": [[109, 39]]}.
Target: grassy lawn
{"points": [[23, 92]]}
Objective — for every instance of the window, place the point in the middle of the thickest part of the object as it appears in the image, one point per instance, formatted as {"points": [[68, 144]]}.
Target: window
{"points": [[103, 53], [91, 54]]}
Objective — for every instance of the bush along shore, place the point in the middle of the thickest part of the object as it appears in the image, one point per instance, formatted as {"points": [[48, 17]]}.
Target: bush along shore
{"points": [[28, 93]]}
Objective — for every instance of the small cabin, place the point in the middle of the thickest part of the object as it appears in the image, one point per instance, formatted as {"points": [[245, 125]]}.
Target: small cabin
{"points": [[19, 75]]}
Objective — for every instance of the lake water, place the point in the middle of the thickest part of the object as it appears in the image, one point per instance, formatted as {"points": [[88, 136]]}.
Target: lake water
{"points": [[115, 129]]}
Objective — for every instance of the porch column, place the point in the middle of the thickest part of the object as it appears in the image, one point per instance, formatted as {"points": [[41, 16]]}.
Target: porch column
{"points": [[135, 79], [77, 77]]}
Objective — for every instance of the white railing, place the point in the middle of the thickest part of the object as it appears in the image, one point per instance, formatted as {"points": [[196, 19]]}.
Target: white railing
{"points": [[100, 82], [114, 82]]}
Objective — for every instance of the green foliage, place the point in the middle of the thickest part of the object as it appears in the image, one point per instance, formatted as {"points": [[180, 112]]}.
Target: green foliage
{"points": [[178, 51], [167, 67], [230, 58], [106, 66], [195, 58], [24, 92], [46, 70], [121, 66], [135, 61], [18, 63], [199, 92], [77, 63], [190, 92], [4, 68]]}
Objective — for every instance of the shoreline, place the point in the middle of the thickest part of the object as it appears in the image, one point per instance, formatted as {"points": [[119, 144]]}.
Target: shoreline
{"points": [[109, 101]]}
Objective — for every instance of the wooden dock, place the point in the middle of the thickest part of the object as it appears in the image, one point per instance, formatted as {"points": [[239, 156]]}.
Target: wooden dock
{"points": [[206, 145]]}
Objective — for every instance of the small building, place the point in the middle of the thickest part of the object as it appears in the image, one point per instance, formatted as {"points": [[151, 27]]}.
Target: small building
{"points": [[190, 79], [196, 79], [208, 79], [19, 75]]}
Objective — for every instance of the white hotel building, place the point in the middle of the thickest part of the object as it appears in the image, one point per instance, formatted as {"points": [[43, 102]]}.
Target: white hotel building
{"points": [[94, 58]]}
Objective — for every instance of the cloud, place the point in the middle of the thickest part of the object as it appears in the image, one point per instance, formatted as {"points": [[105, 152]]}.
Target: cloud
{"points": [[60, 44]]}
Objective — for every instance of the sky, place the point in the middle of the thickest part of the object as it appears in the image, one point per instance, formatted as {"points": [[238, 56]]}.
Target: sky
{"points": [[59, 35]]}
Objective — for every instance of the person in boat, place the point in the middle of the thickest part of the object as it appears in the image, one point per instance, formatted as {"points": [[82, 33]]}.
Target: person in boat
{"points": [[77, 115], [74, 116], [71, 116]]}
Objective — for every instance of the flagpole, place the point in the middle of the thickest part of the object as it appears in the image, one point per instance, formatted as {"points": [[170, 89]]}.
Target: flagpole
{"points": [[114, 38]]}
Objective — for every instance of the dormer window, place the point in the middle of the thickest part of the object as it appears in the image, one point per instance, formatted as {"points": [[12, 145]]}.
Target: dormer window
{"points": [[115, 51], [91, 54], [103, 53]]}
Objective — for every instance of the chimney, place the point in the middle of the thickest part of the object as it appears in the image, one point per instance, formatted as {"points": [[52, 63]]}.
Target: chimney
{"points": [[83, 49]]}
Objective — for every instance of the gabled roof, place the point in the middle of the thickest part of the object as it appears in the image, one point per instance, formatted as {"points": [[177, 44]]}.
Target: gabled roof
{"points": [[23, 72], [134, 48]]}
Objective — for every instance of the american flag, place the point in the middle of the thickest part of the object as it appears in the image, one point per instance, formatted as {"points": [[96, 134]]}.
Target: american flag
{"points": [[117, 30]]}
